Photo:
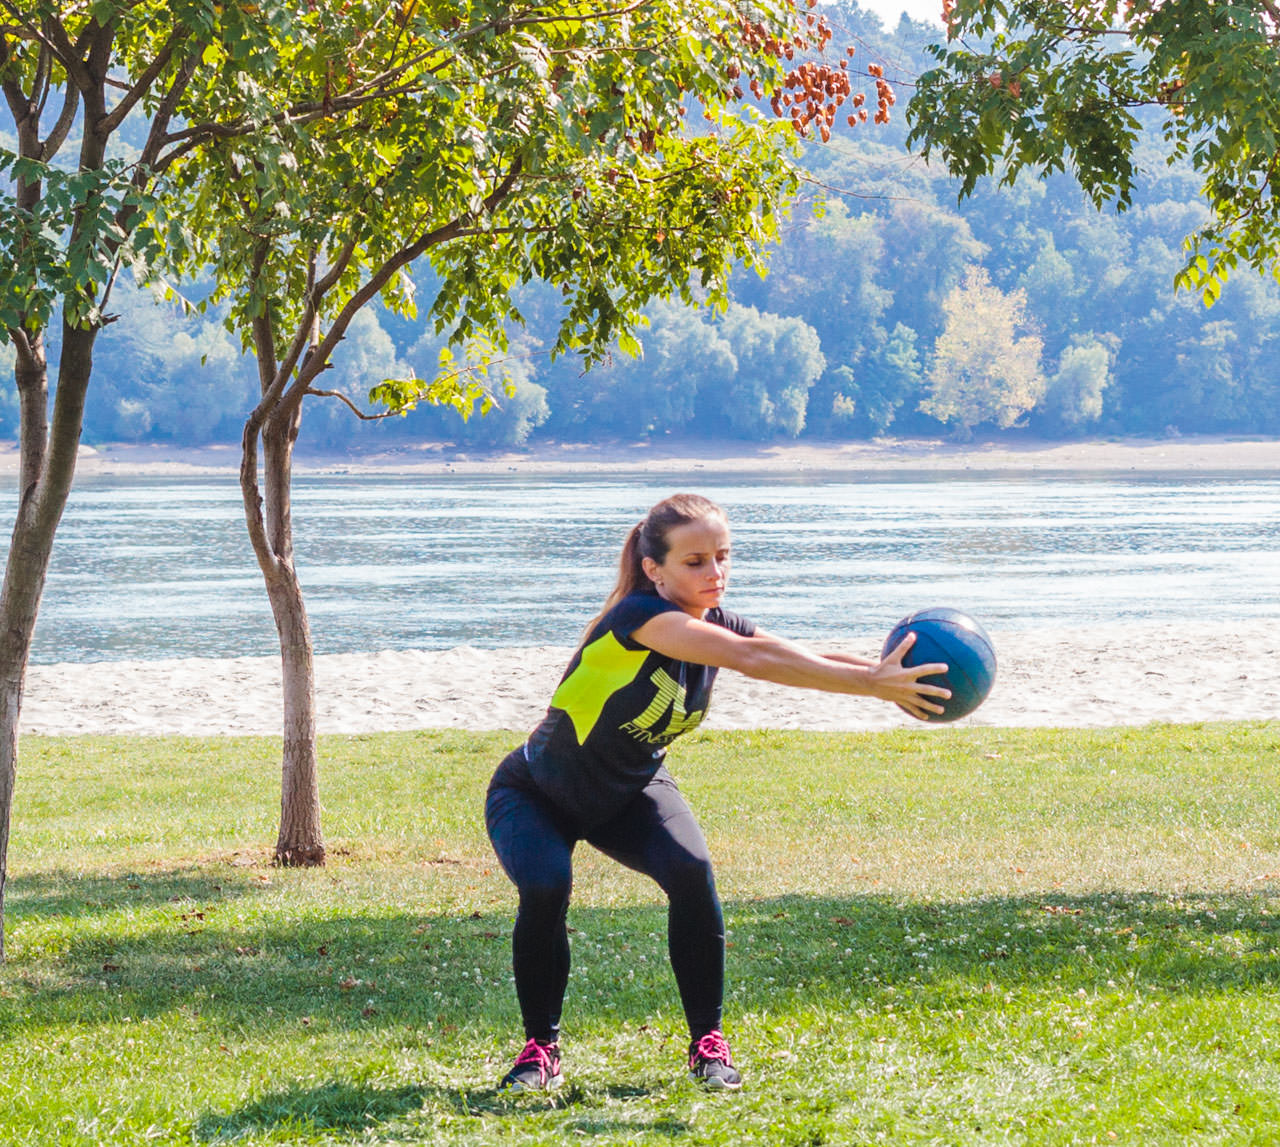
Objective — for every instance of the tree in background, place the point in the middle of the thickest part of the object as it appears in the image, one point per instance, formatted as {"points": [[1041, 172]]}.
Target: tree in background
{"points": [[825, 275], [683, 350], [778, 359], [890, 378], [1050, 85], [943, 245], [1074, 392], [502, 146], [983, 369], [158, 378]]}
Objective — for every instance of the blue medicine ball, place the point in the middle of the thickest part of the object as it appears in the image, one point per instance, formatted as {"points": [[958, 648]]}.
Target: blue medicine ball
{"points": [[953, 637]]}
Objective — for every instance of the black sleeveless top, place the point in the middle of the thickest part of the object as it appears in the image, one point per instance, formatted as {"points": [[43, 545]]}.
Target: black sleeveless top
{"points": [[618, 706]]}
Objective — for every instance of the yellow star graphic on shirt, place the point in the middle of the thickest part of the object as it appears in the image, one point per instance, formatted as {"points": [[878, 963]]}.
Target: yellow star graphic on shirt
{"points": [[606, 666]]}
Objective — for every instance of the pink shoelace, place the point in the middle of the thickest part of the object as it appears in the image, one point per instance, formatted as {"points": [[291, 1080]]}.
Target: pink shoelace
{"points": [[713, 1045], [534, 1052]]}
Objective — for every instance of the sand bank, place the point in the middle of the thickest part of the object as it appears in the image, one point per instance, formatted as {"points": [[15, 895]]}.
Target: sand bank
{"points": [[1128, 675], [1225, 454]]}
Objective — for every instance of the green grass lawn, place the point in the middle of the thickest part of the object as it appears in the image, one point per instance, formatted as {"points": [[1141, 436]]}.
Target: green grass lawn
{"points": [[937, 936]]}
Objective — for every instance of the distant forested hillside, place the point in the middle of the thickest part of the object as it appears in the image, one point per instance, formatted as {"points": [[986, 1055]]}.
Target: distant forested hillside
{"points": [[896, 311]]}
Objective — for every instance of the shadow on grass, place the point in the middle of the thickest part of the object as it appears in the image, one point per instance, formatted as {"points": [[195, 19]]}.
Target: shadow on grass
{"points": [[333, 1106], [350, 1108], [58, 893], [1190, 943], [436, 973]]}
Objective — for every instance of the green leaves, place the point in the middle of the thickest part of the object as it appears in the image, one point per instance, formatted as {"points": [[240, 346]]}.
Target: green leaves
{"points": [[312, 157], [67, 246], [1038, 86], [459, 385], [495, 146]]}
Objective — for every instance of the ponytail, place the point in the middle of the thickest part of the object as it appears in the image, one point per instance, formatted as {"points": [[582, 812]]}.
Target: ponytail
{"points": [[648, 539]]}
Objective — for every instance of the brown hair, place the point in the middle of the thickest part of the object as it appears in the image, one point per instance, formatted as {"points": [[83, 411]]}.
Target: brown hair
{"points": [[648, 538]]}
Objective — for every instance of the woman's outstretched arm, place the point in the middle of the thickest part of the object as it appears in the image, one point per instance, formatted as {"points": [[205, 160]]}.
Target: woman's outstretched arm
{"points": [[768, 658]]}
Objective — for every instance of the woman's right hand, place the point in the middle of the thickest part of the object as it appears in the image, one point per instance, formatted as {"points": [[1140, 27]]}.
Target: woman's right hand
{"points": [[893, 681]]}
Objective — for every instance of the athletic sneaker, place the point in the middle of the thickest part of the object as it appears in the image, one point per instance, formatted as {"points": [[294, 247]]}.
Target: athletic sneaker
{"points": [[537, 1068], [711, 1065]]}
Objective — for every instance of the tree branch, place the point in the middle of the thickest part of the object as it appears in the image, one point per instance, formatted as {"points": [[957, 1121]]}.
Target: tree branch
{"points": [[32, 381], [22, 106], [324, 286], [143, 83], [360, 414], [17, 100], [392, 266], [58, 133], [22, 344], [53, 34], [300, 347], [163, 116], [576, 18], [251, 495], [304, 113]]}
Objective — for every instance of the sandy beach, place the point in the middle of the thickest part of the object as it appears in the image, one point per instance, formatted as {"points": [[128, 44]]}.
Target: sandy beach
{"points": [[1087, 677], [1092, 677]]}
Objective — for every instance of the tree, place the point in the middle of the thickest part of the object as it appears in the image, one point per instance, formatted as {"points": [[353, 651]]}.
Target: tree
{"points": [[777, 361], [682, 352], [983, 370], [109, 102], [1074, 393], [1047, 85], [943, 244], [77, 207], [825, 274], [888, 379], [501, 146]]}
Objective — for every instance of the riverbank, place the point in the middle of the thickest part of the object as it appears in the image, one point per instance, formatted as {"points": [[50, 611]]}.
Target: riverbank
{"points": [[1091, 677], [1203, 453]]}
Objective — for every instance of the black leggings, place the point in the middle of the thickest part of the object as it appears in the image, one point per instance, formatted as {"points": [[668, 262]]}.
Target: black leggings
{"points": [[656, 834]]}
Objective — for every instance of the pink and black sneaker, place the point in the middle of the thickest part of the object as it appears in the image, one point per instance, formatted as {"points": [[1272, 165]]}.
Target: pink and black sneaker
{"points": [[711, 1065], [537, 1068]]}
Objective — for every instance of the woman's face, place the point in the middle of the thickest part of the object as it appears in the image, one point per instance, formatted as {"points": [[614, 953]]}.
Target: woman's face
{"points": [[695, 571]]}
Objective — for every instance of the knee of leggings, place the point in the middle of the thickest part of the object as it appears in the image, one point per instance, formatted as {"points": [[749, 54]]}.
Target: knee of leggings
{"points": [[545, 897], [691, 876]]}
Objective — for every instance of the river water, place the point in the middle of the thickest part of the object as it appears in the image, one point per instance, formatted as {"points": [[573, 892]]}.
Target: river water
{"points": [[149, 567]]}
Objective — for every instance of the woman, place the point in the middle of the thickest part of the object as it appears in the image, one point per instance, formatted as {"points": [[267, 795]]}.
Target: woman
{"points": [[593, 770]]}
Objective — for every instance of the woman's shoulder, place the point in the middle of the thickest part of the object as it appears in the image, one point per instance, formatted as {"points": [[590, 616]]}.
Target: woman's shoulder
{"points": [[635, 609], [625, 616]]}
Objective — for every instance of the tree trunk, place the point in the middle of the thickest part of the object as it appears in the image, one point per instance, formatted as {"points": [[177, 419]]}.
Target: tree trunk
{"points": [[300, 841], [24, 578], [10, 707], [23, 584], [47, 469]]}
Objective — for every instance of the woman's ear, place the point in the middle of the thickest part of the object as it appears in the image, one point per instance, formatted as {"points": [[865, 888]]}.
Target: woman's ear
{"points": [[652, 570]]}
